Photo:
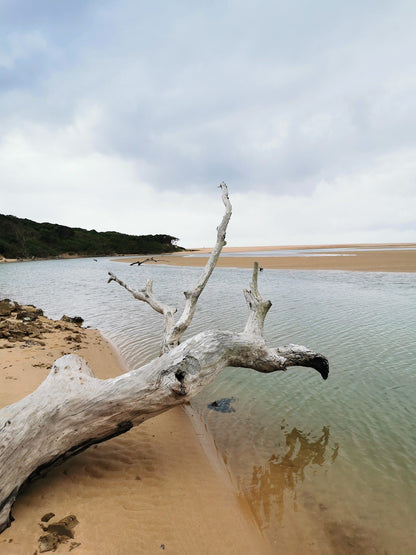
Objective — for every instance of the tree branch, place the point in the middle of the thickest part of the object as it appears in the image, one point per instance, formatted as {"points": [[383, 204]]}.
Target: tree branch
{"points": [[146, 295], [192, 296], [174, 331], [140, 262], [258, 307]]}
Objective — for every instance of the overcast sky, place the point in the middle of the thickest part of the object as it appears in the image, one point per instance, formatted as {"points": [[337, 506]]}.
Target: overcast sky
{"points": [[126, 115]]}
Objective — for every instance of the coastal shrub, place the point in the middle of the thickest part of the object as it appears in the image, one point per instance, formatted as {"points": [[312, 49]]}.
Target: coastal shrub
{"points": [[23, 238]]}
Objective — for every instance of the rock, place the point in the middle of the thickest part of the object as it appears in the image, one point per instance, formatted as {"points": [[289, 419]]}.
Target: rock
{"points": [[47, 517], [75, 338], [28, 312], [64, 526], [14, 330], [73, 319], [57, 532], [48, 542], [6, 307], [222, 405]]}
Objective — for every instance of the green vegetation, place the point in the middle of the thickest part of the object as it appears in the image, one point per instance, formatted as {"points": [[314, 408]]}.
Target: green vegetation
{"points": [[22, 238]]}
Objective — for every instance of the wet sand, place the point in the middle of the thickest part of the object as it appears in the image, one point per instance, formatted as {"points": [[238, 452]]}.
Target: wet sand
{"points": [[150, 490], [390, 258]]}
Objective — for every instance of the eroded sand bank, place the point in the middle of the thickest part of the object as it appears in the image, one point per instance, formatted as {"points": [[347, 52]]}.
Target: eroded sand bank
{"points": [[151, 490]]}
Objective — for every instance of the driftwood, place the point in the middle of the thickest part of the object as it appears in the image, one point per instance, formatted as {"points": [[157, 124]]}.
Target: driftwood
{"points": [[72, 409], [140, 262]]}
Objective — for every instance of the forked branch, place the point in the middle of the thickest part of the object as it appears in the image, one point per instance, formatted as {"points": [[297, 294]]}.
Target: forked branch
{"points": [[174, 331], [146, 295]]}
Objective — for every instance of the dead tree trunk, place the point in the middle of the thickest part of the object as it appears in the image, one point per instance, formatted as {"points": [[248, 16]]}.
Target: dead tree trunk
{"points": [[72, 409]]}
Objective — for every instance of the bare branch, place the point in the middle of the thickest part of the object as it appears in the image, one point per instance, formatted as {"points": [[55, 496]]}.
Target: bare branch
{"points": [[140, 262], [258, 307], [174, 331], [264, 359], [146, 295], [192, 296]]}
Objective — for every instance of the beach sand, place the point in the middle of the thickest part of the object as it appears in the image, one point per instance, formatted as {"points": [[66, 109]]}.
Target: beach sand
{"points": [[159, 487], [378, 258]]}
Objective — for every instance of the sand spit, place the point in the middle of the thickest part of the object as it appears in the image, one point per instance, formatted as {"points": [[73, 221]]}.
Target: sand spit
{"points": [[376, 258], [151, 490]]}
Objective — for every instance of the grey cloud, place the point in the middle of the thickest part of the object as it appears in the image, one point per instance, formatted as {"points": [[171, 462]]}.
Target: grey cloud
{"points": [[271, 96]]}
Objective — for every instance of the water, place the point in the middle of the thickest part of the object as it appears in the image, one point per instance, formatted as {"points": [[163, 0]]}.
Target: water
{"points": [[328, 251], [335, 459]]}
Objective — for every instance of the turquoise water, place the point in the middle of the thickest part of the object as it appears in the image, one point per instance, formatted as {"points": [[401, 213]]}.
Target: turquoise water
{"points": [[339, 456]]}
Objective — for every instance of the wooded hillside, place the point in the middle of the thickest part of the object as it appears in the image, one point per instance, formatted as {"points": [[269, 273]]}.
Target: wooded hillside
{"points": [[22, 238]]}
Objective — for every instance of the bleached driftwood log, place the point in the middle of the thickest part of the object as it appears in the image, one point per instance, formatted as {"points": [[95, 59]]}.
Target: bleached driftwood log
{"points": [[72, 409]]}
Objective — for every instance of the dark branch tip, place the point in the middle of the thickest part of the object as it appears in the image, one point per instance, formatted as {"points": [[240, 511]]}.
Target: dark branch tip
{"points": [[320, 364]]}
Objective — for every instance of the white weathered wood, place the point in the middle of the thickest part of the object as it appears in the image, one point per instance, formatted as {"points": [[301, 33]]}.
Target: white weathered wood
{"points": [[72, 409], [258, 307], [146, 295], [192, 296], [174, 331]]}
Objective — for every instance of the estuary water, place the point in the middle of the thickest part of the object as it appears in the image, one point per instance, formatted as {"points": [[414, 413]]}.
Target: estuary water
{"points": [[327, 466]]}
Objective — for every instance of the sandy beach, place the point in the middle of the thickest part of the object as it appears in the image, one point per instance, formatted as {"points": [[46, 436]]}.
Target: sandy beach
{"points": [[365, 258], [160, 487]]}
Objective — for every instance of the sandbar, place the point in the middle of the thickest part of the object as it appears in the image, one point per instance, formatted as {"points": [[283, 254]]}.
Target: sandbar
{"points": [[365, 258]]}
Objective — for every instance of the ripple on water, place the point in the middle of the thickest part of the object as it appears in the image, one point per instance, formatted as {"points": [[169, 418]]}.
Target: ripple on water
{"points": [[337, 456]]}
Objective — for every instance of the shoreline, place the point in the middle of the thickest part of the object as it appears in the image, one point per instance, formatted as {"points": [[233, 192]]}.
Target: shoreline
{"points": [[362, 258], [66, 256], [151, 487]]}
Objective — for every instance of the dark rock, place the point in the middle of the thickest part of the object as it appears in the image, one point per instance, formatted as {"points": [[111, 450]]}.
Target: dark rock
{"points": [[47, 517], [75, 338], [222, 405], [57, 532], [7, 307], [28, 312], [48, 542], [73, 319]]}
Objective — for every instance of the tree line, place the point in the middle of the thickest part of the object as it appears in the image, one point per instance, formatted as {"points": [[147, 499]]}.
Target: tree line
{"points": [[23, 238]]}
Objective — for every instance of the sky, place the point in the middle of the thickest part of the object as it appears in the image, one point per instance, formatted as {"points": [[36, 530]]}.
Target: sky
{"points": [[126, 115]]}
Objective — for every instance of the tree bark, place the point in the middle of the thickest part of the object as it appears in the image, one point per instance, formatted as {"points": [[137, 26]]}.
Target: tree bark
{"points": [[72, 409]]}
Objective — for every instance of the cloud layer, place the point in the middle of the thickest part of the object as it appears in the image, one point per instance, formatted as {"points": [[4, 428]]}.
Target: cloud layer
{"points": [[121, 115]]}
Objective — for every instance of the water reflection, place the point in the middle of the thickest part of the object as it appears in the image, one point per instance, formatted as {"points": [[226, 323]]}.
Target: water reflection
{"points": [[274, 483]]}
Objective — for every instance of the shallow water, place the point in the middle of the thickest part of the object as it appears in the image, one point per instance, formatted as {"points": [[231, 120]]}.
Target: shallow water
{"points": [[329, 251], [337, 457]]}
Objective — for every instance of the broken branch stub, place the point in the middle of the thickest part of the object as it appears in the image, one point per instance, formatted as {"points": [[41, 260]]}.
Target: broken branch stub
{"points": [[258, 307]]}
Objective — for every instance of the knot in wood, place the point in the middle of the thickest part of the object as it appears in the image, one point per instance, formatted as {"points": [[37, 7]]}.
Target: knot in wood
{"points": [[184, 372]]}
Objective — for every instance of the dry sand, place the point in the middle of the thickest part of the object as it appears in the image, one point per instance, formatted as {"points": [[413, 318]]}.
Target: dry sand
{"points": [[391, 258], [153, 489]]}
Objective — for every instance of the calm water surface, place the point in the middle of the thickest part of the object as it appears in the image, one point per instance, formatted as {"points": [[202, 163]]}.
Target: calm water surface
{"points": [[335, 458], [330, 251]]}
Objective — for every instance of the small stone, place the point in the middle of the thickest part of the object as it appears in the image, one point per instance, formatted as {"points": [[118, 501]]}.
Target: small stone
{"points": [[47, 517], [48, 542]]}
